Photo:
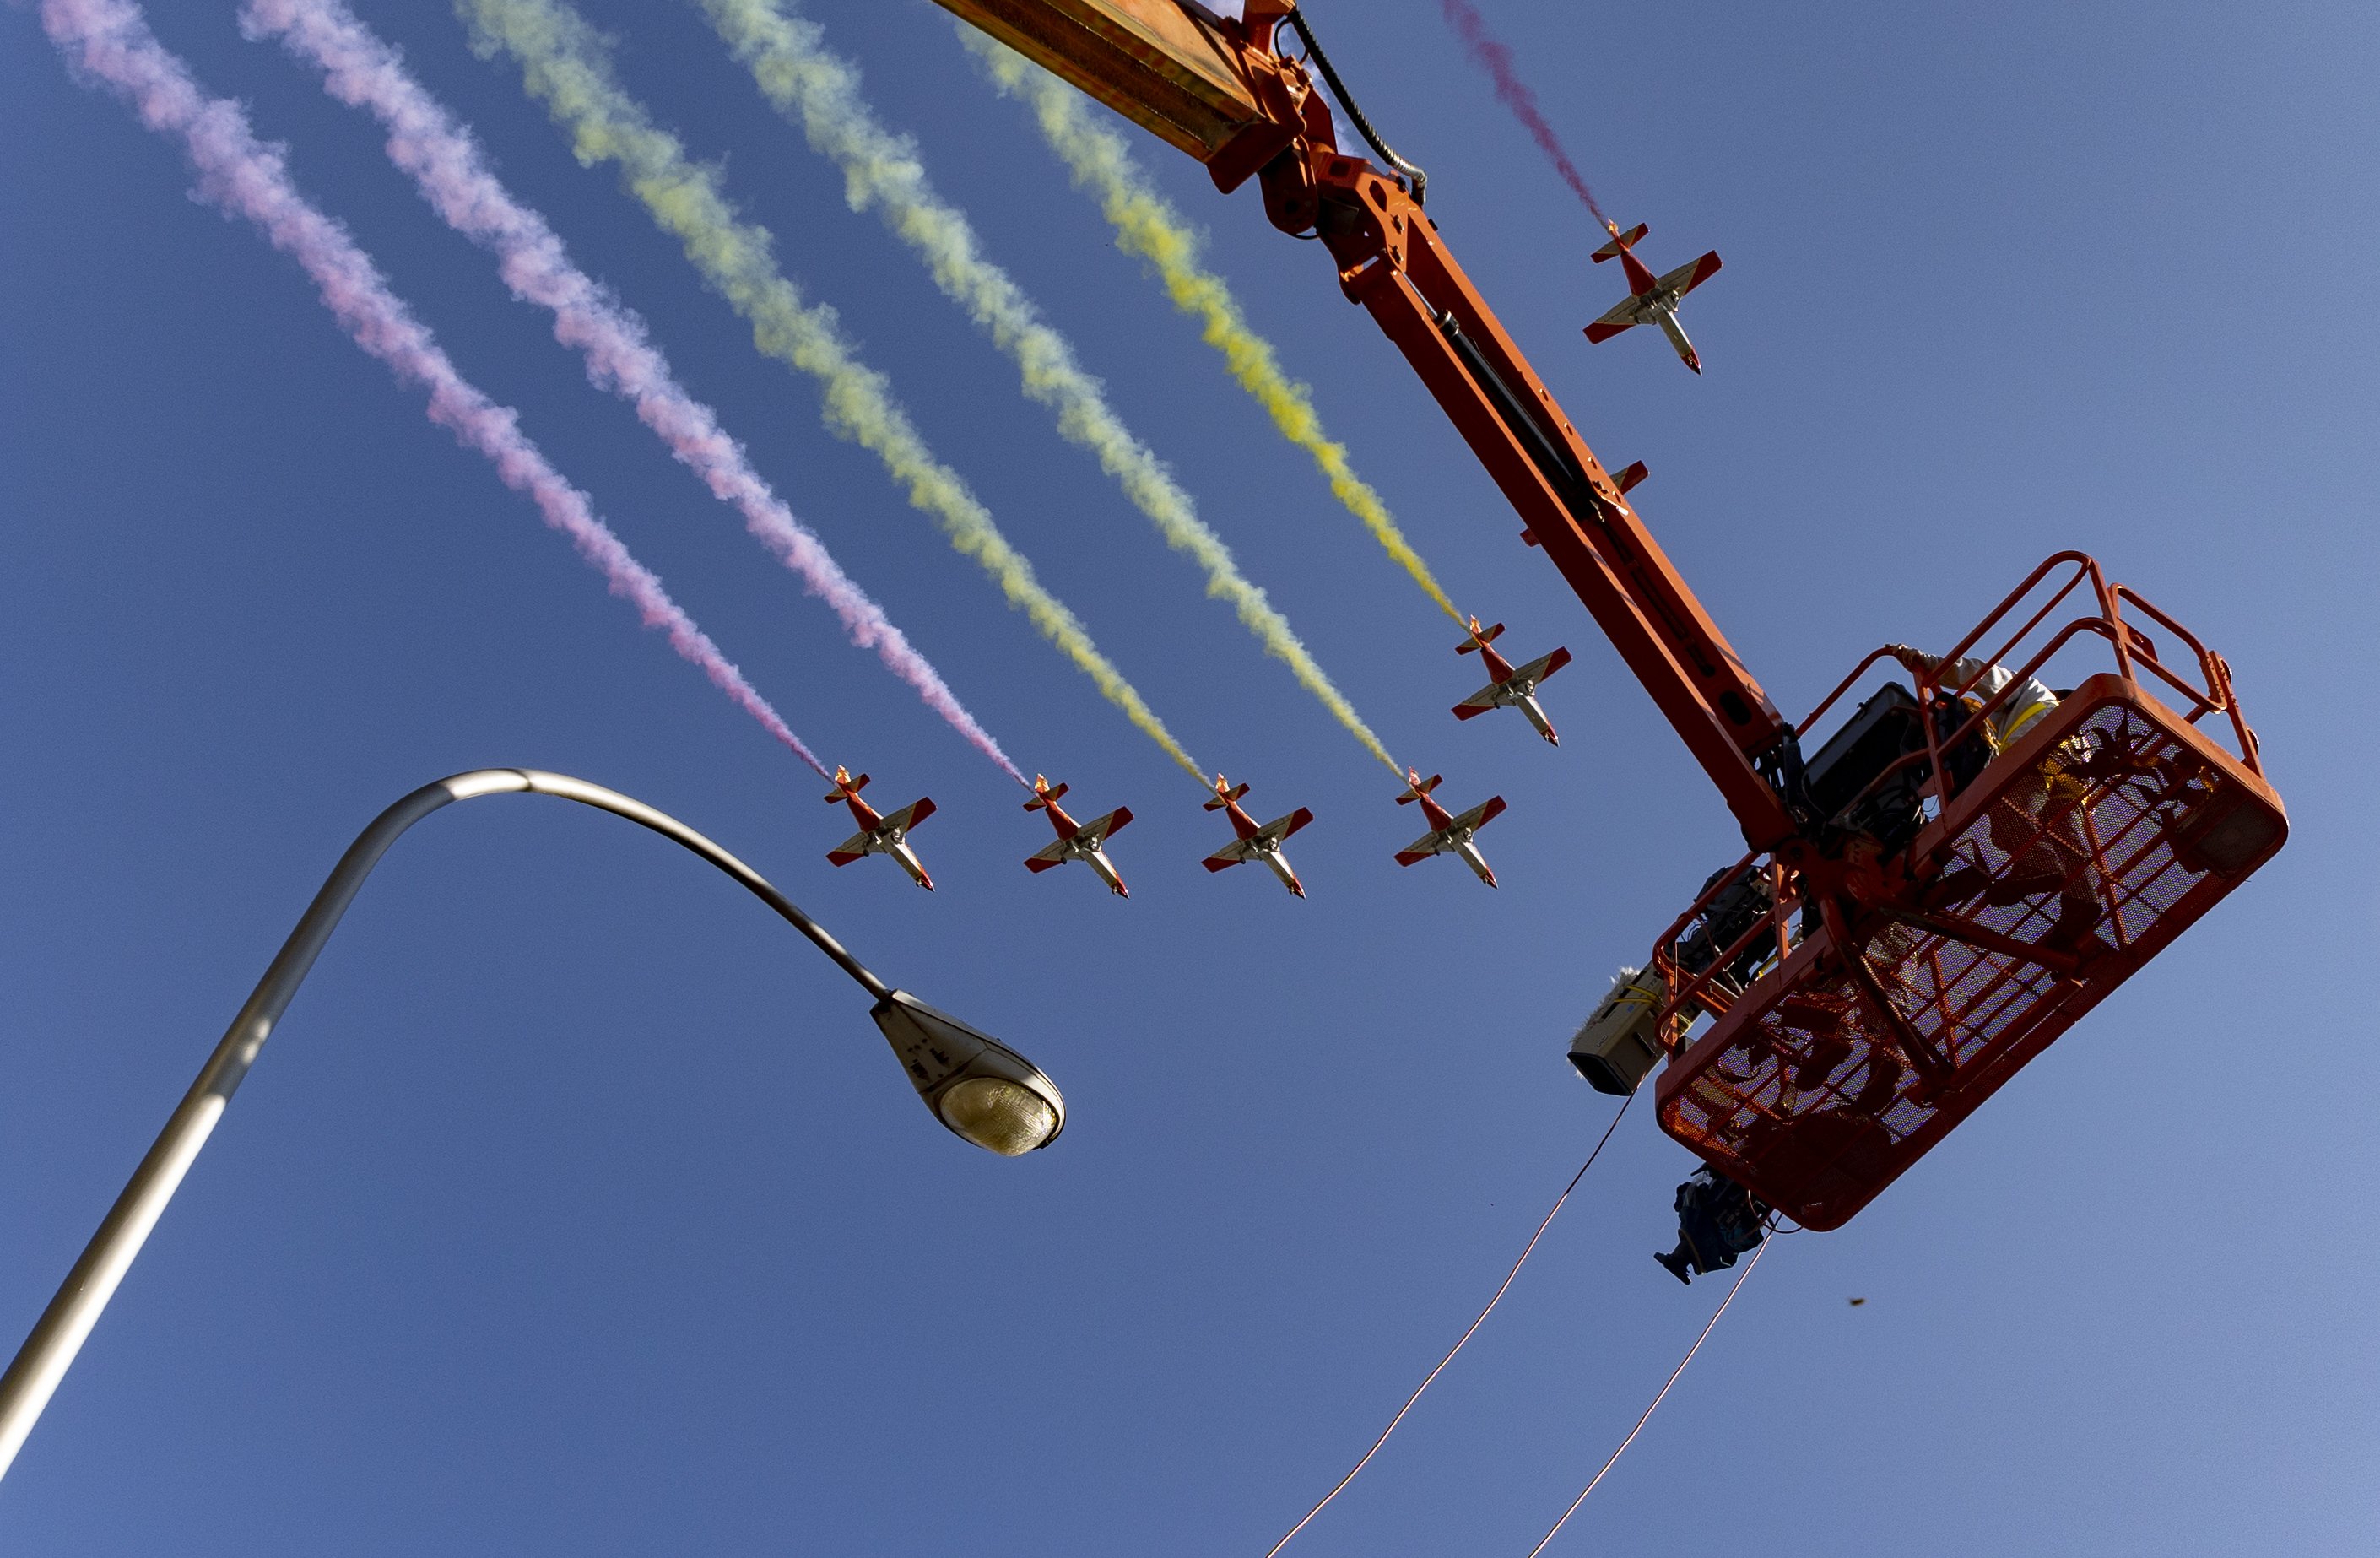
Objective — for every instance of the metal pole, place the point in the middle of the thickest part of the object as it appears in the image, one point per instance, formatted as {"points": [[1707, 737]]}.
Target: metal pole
{"points": [[42, 1361]]}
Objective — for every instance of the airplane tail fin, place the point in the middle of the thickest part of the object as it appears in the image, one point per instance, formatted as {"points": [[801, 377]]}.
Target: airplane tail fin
{"points": [[1043, 793], [1626, 480], [1417, 787], [1224, 797], [1621, 242], [1480, 636], [847, 785]]}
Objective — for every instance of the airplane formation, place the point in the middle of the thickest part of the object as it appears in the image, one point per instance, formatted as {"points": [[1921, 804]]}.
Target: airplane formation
{"points": [[1509, 687], [254, 182], [1651, 300]]}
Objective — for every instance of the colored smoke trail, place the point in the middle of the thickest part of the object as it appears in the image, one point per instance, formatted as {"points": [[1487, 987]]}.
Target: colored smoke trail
{"points": [[447, 166], [563, 65], [806, 81], [1147, 225], [1496, 58], [110, 41]]}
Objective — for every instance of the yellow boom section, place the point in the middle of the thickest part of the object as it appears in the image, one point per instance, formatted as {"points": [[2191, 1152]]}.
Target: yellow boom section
{"points": [[1160, 63]]}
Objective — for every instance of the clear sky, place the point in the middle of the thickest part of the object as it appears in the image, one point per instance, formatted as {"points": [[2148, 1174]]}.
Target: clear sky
{"points": [[578, 1208]]}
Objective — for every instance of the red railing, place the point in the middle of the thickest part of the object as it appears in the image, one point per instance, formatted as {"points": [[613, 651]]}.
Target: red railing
{"points": [[1713, 989]]}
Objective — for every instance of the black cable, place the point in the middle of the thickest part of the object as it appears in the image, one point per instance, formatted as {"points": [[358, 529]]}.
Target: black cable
{"points": [[1416, 179]]}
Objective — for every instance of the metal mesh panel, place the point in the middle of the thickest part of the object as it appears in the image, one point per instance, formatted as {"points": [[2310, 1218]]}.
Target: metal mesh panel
{"points": [[1808, 1095]]}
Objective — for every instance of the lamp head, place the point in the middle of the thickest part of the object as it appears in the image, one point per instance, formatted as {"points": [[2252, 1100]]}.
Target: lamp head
{"points": [[977, 1087]]}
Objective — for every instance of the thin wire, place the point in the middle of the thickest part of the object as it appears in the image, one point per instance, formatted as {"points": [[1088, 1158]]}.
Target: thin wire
{"points": [[1680, 1368], [1466, 1335]]}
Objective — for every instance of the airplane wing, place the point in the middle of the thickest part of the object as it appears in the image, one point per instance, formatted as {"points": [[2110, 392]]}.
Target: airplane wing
{"points": [[1049, 858], [1537, 670], [1422, 849], [1686, 278], [1480, 815], [1479, 703], [910, 815], [1232, 854], [1099, 828], [854, 848], [1282, 827], [1622, 316]]}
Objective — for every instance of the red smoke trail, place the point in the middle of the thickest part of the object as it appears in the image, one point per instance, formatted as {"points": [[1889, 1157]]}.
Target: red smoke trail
{"points": [[448, 168], [110, 41], [1498, 60]]}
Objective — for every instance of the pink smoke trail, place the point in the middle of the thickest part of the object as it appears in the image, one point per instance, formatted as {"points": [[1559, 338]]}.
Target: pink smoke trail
{"points": [[1496, 59], [446, 165], [110, 41]]}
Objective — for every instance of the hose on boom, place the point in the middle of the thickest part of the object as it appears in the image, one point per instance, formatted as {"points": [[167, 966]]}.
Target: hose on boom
{"points": [[1416, 180]]}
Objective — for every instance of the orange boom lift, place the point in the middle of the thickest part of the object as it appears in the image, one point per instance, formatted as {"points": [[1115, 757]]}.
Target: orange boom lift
{"points": [[1920, 913]]}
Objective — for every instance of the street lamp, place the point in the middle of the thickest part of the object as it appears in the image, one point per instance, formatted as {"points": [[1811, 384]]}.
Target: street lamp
{"points": [[978, 1087]]}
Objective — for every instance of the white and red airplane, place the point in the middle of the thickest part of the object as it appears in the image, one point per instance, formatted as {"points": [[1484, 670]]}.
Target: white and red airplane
{"points": [[878, 836], [1076, 841], [1447, 835], [1255, 843], [1651, 300], [1508, 688]]}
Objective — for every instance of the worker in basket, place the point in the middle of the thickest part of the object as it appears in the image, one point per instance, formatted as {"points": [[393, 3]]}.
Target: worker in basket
{"points": [[1718, 1220], [1976, 681], [2037, 825]]}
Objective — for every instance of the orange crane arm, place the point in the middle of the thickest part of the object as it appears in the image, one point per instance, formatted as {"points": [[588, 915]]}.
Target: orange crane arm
{"points": [[1218, 88], [1171, 71], [1933, 921]]}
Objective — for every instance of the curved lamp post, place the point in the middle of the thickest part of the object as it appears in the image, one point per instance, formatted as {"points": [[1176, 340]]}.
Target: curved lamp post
{"points": [[975, 1086]]}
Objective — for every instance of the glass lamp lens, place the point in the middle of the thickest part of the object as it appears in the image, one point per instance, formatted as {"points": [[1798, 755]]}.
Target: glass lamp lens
{"points": [[998, 1115]]}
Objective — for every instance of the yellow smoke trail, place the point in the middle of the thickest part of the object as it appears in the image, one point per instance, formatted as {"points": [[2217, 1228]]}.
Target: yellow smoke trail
{"points": [[563, 65], [1147, 225], [807, 82]]}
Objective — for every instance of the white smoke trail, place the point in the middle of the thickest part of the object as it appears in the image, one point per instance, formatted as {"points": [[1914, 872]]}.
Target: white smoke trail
{"points": [[566, 66], [109, 42], [811, 84], [1148, 225], [446, 165]]}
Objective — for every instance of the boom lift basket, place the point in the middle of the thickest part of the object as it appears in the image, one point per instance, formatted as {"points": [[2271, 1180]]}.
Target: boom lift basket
{"points": [[2073, 858]]}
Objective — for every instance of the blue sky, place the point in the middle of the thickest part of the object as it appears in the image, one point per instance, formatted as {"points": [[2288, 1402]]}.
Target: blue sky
{"points": [[578, 1208]]}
